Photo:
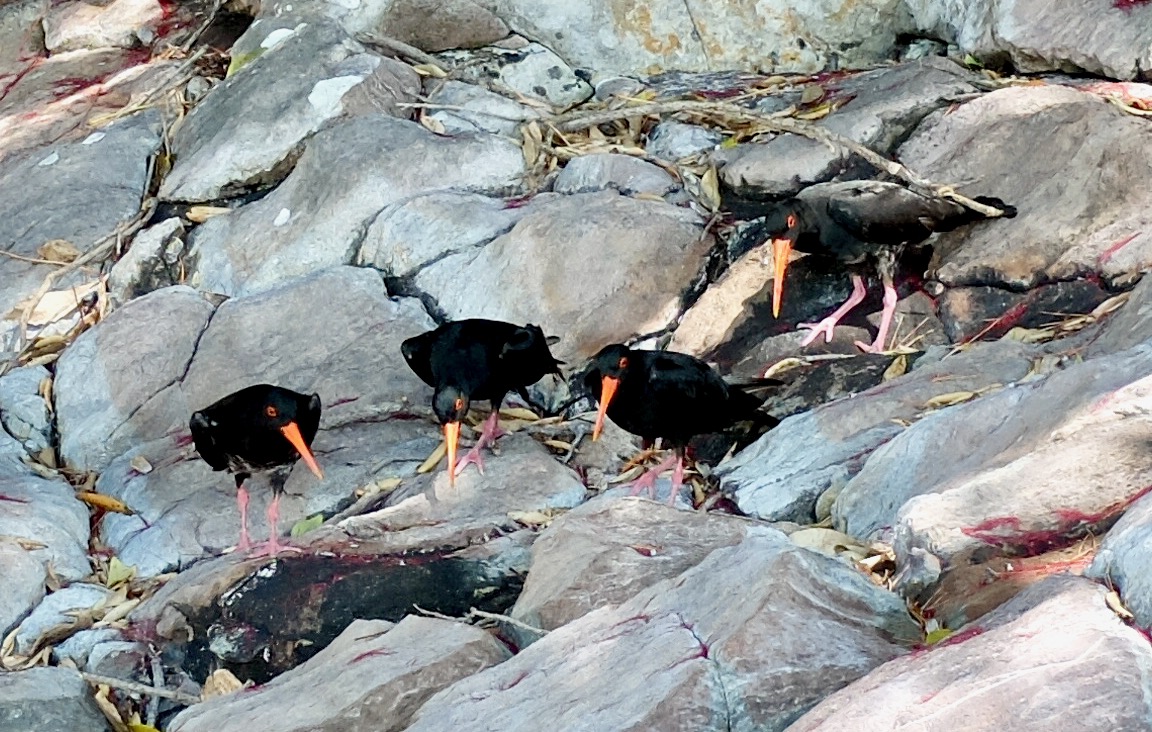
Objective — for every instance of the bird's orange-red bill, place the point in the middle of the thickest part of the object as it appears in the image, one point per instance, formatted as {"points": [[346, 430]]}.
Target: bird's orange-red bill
{"points": [[781, 250], [451, 437], [292, 433], [608, 387]]}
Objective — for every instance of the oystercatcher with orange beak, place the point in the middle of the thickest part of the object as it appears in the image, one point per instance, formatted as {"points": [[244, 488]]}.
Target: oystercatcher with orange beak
{"points": [[464, 360], [671, 396], [863, 224], [261, 429]]}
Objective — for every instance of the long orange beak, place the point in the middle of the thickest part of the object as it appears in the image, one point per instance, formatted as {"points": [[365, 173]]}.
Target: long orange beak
{"points": [[451, 437], [781, 249], [292, 433], [608, 387]]}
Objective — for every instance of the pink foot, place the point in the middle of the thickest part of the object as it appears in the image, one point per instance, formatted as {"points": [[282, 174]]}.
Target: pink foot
{"points": [[677, 481], [245, 542], [647, 481], [877, 346], [827, 325], [272, 547], [488, 435]]}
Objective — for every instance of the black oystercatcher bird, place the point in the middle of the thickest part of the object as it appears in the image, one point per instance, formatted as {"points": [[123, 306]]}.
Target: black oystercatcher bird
{"points": [[668, 395], [477, 359], [855, 222], [259, 429]]}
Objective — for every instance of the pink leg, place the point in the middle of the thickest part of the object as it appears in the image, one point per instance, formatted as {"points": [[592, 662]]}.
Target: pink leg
{"points": [[647, 481], [826, 325], [677, 480], [272, 547], [242, 501], [488, 435], [885, 321]]}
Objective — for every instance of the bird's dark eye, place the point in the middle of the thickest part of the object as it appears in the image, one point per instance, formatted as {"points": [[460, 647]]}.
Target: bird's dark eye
{"points": [[271, 411], [791, 220], [623, 362]]}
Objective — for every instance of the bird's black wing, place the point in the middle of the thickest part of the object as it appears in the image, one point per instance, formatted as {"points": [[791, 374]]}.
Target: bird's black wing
{"points": [[679, 380], [203, 430], [417, 352], [886, 213]]}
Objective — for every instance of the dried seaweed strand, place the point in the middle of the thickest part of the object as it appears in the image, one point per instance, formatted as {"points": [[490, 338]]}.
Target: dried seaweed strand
{"points": [[581, 120], [133, 687]]}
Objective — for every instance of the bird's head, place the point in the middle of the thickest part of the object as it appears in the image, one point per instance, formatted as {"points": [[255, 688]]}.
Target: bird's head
{"points": [[609, 366], [782, 225], [282, 412], [450, 405]]}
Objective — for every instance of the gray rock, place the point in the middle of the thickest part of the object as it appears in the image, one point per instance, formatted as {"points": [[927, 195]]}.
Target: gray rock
{"points": [[432, 25], [1055, 647], [48, 698], [483, 110], [247, 131], [151, 262], [73, 191], [317, 217], [1069, 221], [707, 650], [671, 140], [419, 231], [56, 610], [780, 477], [362, 380], [372, 678], [606, 551], [609, 171], [1039, 36], [541, 272], [114, 383], [1124, 558], [883, 107], [1128, 327], [23, 412], [45, 517], [805, 37], [1054, 457], [24, 578], [21, 35], [531, 70], [72, 26], [78, 647], [430, 513]]}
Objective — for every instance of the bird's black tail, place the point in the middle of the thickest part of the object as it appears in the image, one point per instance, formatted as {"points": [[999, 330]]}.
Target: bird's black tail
{"points": [[1008, 209]]}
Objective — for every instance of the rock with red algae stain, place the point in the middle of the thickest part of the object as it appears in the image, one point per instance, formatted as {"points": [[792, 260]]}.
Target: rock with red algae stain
{"points": [[372, 678], [708, 650], [1055, 657]]}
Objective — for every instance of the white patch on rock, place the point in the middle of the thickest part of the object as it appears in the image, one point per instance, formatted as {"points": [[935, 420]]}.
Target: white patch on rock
{"points": [[50, 160], [278, 36], [282, 217], [94, 138], [326, 94]]}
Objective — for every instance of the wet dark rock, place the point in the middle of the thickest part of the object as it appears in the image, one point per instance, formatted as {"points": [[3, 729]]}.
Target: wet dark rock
{"points": [[372, 678], [990, 312], [1057, 642], [819, 382], [47, 698]]}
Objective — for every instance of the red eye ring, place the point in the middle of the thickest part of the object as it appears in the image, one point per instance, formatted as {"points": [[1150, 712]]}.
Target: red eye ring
{"points": [[459, 403], [271, 411], [623, 362], [791, 221]]}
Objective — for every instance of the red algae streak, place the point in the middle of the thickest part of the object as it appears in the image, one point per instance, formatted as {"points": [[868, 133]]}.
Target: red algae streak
{"points": [[955, 639], [1110, 252], [370, 654], [1127, 5]]}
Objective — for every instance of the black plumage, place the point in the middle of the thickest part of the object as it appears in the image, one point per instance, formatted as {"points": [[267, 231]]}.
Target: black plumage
{"points": [[259, 429], [477, 359], [860, 224], [670, 396]]}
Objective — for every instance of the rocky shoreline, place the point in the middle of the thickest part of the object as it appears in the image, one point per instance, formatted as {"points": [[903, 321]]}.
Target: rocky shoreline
{"points": [[196, 197]]}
